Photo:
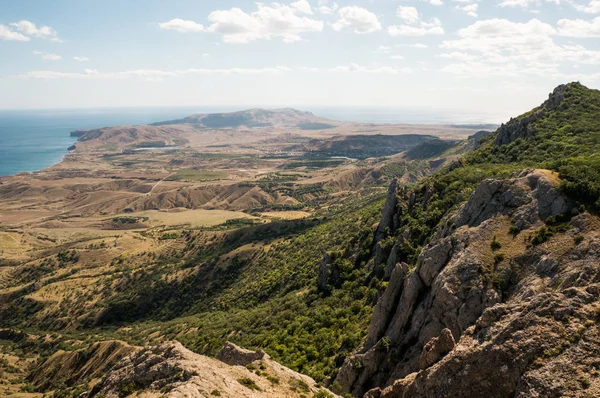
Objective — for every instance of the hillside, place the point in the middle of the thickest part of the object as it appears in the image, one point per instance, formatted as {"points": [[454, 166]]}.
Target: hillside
{"points": [[255, 118], [363, 146], [487, 268]]}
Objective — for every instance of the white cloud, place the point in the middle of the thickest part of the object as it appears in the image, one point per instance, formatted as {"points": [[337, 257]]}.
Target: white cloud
{"points": [[363, 69], [268, 21], [470, 9], [81, 59], [414, 25], [148, 74], [30, 29], [579, 27], [48, 56], [235, 71], [592, 8], [408, 14], [395, 57], [415, 45], [532, 3], [327, 7], [383, 50], [498, 46], [182, 25], [7, 34], [302, 6], [459, 56], [358, 19]]}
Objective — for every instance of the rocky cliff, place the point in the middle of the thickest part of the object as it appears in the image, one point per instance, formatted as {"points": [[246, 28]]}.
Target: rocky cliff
{"points": [[503, 301], [522, 127]]}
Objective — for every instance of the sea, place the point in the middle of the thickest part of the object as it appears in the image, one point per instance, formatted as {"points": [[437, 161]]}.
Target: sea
{"points": [[31, 140]]}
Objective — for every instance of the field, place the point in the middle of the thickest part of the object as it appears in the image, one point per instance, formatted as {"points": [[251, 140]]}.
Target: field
{"points": [[198, 175]]}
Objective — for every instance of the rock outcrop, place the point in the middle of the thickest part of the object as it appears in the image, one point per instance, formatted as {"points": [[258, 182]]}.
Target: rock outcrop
{"points": [[171, 370], [469, 321], [233, 355], [522, 127], [69, 368]]}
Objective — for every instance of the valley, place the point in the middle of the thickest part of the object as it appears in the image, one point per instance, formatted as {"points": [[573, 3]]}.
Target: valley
{"points": [[354, 259]]}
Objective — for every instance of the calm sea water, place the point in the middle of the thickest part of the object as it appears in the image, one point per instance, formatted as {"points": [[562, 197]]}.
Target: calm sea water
{"points": [[32, 140]]}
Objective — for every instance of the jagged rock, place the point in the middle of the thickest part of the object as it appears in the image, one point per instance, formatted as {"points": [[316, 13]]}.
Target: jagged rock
{"points": [[324, 272], [393, 259], [388, 212], [329, 273], [531, 196], [436, 349], [170, 370], [455, 294], [523, 127], [383, 310], [231, 354]]}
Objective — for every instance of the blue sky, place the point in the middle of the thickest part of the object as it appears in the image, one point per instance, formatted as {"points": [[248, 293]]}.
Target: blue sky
{"points": [[461, 54]]}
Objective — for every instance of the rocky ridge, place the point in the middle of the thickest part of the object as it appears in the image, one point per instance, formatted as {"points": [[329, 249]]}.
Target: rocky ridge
{"points": [[116, 369], [474, 318], [171, 370], [522, 127]]}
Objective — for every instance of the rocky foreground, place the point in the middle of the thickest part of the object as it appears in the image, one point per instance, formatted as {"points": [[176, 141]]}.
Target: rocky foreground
{"points": [[171, 370], [504, 302]]}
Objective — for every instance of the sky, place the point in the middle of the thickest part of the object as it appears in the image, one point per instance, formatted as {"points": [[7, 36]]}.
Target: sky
{"points": [[469, 55]]}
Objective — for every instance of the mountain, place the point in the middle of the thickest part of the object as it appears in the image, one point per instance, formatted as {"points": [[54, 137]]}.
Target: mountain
{"points": [[255, 118], [481, 279], [500, 289]]}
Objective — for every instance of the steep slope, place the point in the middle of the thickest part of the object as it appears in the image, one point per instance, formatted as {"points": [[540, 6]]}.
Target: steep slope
{"points": [[116, 369], [512, 302], [563, 134], [497, 295], [173, 371]]}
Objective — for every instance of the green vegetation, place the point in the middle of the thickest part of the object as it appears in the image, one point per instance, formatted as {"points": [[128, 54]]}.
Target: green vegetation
{"points": [[322, 394], [151, 144], [198, 175], [565, 139], [315, 126], [495, 245], [249, 383]]}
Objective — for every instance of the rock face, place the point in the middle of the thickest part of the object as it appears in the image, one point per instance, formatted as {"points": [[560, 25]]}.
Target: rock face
{"points": [[522, 127], [171, 370], [233, 355], [469, 322]]}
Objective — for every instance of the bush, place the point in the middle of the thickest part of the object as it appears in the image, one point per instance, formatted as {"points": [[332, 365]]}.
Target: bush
{"points": [[542, 236], [249, 383], [495, 245], [498, 258]]}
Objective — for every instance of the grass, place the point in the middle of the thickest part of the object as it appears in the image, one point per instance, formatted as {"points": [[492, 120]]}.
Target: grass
{"points": [[198, 175]]}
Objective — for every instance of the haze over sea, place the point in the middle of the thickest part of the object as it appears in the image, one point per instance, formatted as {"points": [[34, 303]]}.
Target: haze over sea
{"points": [[31, 140]]}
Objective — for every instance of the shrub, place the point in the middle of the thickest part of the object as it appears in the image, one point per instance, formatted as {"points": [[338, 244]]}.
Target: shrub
{"points": [[495, 245], [249, 383], [514, 230], [542, 236], [498, 258]]}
